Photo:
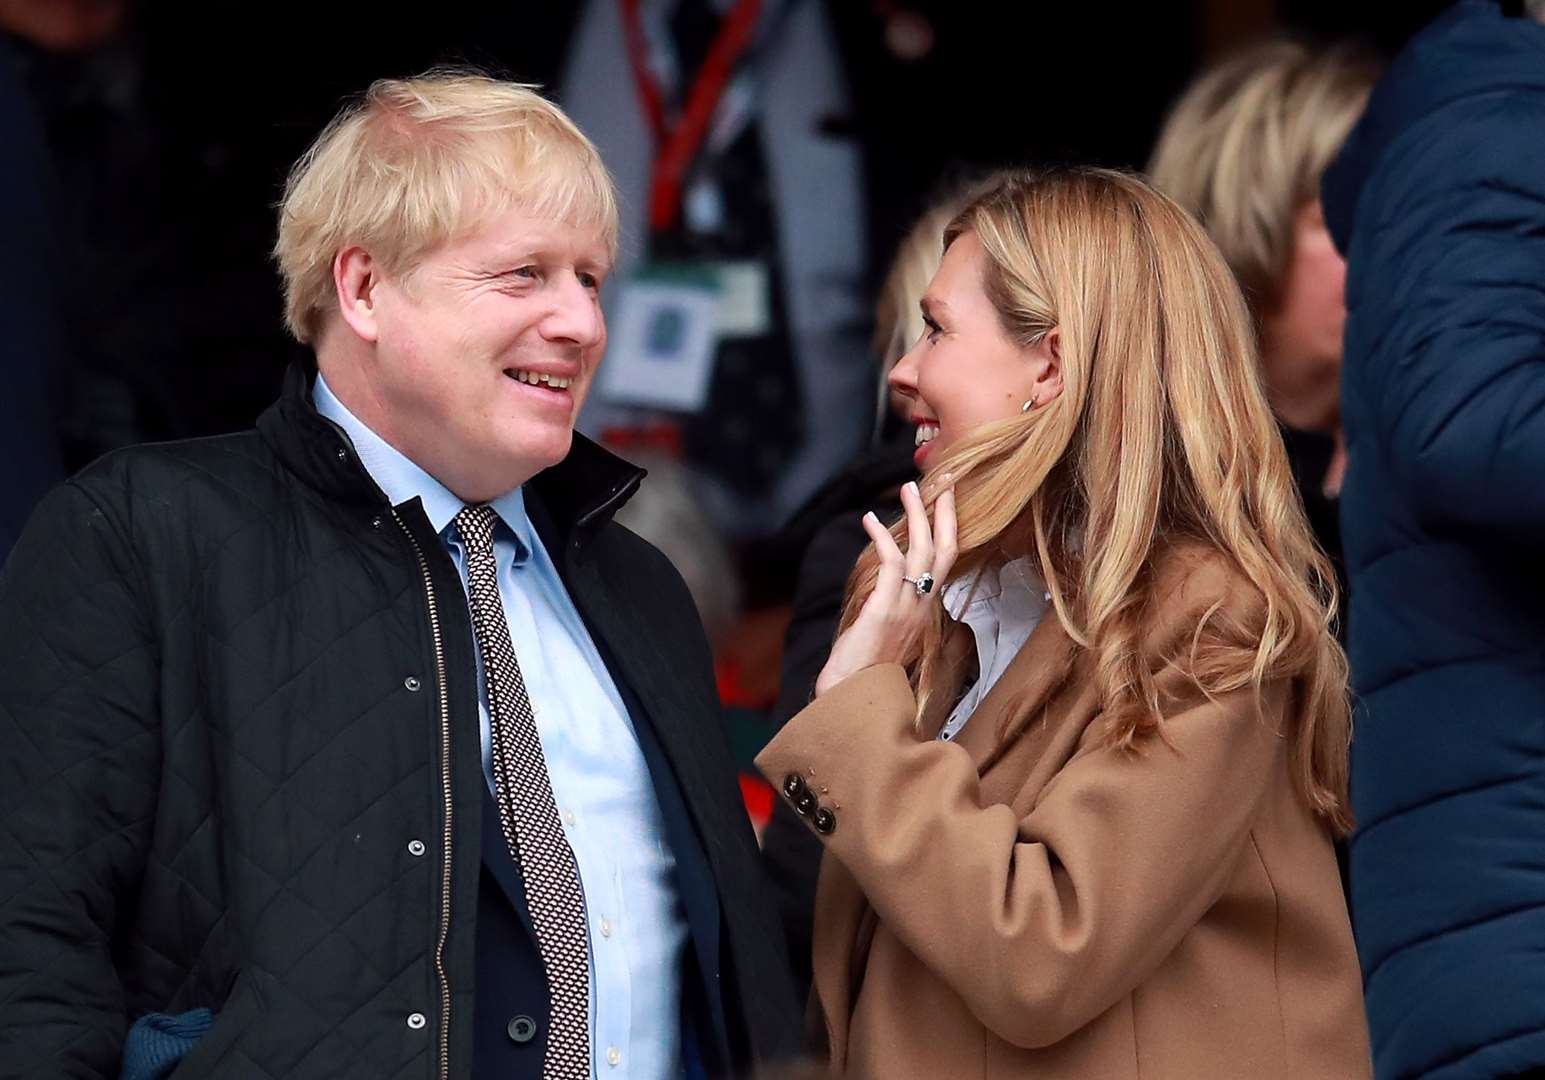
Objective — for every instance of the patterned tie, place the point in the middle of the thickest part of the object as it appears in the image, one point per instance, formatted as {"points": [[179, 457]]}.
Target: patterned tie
{"points": [[528, 814]]}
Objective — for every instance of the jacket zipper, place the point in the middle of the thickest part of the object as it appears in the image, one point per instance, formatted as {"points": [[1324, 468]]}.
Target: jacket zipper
{"points": [[445, 792]]}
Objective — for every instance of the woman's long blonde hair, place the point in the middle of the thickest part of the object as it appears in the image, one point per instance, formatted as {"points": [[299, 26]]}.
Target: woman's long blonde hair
{"points": [[1162, 434]]}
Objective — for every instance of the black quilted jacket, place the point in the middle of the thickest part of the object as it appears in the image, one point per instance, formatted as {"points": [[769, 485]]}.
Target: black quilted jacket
{"points": [[239, 762]]}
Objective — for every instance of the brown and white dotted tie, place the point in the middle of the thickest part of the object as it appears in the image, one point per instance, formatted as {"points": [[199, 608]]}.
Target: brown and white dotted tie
{"points": [[528, 815]]}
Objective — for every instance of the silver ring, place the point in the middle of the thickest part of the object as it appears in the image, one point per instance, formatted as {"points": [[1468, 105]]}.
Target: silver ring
{"points": [[923, 583]]}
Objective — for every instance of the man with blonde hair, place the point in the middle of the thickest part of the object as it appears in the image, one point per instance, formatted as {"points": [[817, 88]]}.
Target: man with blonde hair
{"points": [[365, 744]]}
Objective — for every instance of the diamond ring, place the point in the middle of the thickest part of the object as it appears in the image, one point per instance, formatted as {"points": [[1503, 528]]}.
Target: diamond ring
{"points": [[923, 583]]}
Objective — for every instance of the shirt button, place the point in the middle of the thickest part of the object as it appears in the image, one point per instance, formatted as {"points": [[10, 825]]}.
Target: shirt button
{"points": [[412, 683], [415, 848], [416, 1021], [568, 818], [606, 928], [613, 1056], [521, 1030]]}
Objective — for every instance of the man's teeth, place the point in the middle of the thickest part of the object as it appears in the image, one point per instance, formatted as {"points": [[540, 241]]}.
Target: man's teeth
{"points": [[926, 433], [552, 381]]}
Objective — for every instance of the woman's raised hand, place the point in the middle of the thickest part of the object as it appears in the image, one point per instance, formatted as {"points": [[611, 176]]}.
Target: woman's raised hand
{"points": [[892, 619]]}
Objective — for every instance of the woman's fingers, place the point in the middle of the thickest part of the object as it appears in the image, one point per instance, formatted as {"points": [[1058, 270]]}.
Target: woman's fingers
{"points": [[919, 534], [944, 538], [888, 583]]}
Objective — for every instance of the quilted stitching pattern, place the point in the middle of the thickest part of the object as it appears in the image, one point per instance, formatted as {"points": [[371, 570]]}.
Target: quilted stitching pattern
{"points": [[214, 764]]}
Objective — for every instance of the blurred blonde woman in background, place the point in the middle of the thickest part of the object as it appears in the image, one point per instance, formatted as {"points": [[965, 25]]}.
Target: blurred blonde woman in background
{"points": [[1084, 823], [1244, 149]]}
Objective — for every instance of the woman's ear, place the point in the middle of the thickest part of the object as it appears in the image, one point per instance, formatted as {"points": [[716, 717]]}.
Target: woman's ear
{"points": [[1046, 356]]}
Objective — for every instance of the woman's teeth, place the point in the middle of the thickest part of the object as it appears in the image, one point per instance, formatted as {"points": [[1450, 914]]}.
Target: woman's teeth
{"points": [[552, 381], [926, 433]]}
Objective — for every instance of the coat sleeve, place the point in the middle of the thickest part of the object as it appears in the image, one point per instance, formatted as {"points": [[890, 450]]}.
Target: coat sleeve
{"points": [[78, 783], [1447, 302], [1039, 922]]}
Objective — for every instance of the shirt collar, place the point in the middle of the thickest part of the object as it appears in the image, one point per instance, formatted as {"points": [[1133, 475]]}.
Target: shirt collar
{"points": [[402, 480], [981, 595]]}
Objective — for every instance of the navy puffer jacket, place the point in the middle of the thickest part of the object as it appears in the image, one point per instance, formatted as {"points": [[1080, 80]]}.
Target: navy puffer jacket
{"points": [[1438, 201]]}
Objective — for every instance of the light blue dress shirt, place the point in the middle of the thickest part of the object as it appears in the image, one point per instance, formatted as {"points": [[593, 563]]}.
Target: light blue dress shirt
{"points": [[600, 780]]}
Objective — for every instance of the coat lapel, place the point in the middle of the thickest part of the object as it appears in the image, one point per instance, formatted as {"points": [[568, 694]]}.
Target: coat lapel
{"points": [[1013, 708]]}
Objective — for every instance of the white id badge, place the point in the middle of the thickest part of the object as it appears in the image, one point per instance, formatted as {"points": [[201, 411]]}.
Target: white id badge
{"points": [[663, 338], [745, 304]]}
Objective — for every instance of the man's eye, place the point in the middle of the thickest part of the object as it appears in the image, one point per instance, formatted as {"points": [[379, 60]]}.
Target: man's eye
{"points": [[589, 281], [524, 272]]}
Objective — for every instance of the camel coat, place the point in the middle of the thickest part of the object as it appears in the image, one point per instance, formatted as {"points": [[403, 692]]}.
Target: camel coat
{"points": [[1026, 903]]}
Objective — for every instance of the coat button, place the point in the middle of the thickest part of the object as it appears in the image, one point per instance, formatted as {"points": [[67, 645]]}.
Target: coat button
{"points": [[343, 455], [793, 785], [825, 821], [415, 848], [412, 683], [521, 1029], [806, 803], [416, 1021]]}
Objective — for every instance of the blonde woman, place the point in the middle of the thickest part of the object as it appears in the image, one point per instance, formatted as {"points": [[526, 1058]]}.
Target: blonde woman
{"points": [[1244, 149], [1078, 815]]}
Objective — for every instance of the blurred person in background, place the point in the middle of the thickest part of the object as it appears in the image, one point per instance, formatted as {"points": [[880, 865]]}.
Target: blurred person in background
{"points": [[827, 537], [35, 354], [1244, 149], [1438, 201], [743, 242], [1079, 750]]}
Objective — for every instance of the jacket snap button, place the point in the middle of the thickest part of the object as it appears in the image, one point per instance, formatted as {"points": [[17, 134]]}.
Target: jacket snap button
{"points": [[412, 683], [806, 803], [521, 1029], [793, 785], [825, 821], [343, 455], [416, 848], [416, 1021]]}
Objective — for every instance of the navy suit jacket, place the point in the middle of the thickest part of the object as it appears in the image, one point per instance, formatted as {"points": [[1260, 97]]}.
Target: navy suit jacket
{"points": [[511, 1000]]}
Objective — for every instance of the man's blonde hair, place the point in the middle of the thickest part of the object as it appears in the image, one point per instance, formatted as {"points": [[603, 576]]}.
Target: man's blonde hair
{"points": [[1244, 149], [415, 163]]}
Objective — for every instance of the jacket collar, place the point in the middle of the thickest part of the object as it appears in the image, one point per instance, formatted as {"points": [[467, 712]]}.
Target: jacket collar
{"points": [[1468, 50], [580, 494]]}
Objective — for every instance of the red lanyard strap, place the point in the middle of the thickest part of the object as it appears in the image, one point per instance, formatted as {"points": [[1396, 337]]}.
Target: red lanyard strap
{"points": [[677, 145]]}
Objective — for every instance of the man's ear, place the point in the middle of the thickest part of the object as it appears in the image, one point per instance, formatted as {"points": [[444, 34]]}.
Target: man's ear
{"points": [[355, 277]]}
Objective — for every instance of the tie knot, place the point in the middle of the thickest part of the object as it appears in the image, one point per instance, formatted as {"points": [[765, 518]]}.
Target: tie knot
{"points": [[476, 525]]}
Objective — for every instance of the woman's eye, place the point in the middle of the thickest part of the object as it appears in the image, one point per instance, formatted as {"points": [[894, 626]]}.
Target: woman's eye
{"points": [[931, 329]]}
